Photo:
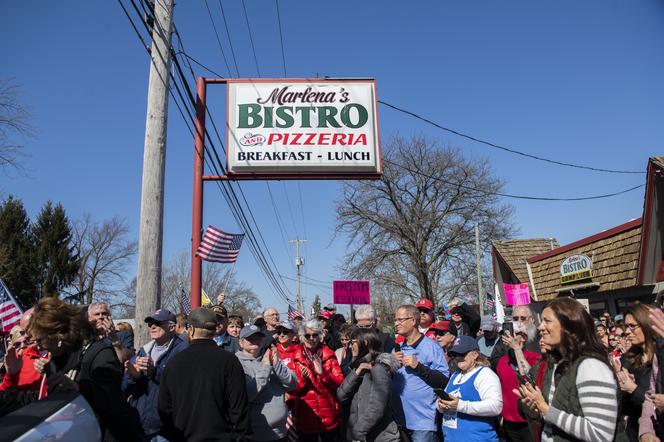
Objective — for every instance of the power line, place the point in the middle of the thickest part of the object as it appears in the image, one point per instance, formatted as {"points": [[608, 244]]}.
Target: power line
{"points": [[281, 38], [228, 34], [251, 38], [508, 195], [223, 54], [506, 149]]}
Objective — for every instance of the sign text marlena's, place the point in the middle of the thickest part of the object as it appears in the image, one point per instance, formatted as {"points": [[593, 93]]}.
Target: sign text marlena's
{"points": [[303, 126]]}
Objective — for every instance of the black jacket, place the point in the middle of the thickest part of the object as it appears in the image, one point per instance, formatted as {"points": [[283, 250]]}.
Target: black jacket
{"points": [[202, 396], [98, 373]]}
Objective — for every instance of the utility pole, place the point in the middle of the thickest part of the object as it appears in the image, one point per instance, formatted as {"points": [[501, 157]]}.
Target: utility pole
{"points": [[480, 295], [148, 275], [299, 262]]}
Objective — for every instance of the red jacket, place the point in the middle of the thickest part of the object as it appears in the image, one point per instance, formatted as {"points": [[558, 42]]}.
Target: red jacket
{"points": [[28, 378], [316, 407], [293, 358]]}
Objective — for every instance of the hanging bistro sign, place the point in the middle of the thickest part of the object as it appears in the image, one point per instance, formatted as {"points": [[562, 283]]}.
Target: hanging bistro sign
{"points": [[576, 268], [302, 127]]}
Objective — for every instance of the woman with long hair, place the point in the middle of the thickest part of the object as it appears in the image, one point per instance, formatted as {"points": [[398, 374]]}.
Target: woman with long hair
{"points": [[73, 351], [474, 398], [367, 389], [578, 399], [316, 407], [634, 368]]}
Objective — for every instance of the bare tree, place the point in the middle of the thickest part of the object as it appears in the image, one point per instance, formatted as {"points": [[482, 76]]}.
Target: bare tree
{"points": [[413, 230], [14, 122], [176, 276], [105, 253]]}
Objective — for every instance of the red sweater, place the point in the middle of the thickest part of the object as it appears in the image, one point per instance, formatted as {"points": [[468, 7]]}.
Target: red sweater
{"points": [[28, 378], [509, 382]]}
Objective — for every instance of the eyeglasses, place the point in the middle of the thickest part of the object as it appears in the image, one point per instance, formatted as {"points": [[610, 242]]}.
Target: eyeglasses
{"points": [[311, 336], [401, 320], [520, 318], [19, 344], [632, 327]]}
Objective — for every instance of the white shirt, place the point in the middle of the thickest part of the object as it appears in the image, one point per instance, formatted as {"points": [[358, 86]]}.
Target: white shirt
{"points": [[487, 385]]}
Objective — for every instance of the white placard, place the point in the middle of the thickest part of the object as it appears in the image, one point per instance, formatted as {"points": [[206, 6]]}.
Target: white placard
{"points": [[302, 126]]}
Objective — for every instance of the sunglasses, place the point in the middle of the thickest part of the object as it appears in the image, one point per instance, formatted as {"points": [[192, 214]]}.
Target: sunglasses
{"points": [[19, 344], [441, 333], [283, 333], [308, 336]]}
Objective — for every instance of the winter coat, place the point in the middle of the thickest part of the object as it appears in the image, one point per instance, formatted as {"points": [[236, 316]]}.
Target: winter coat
{"points": [[293, 358], [142, 393], [370, 413], [98, 373], [316, 407], [203, 396], [266, 386]]}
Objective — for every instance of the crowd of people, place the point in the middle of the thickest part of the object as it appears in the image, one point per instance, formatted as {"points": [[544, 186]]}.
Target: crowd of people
{"points": [[556, 375]]}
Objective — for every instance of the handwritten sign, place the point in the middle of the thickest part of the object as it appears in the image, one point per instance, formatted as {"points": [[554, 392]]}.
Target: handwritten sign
{"points": [[516, 294], [351, 292]]}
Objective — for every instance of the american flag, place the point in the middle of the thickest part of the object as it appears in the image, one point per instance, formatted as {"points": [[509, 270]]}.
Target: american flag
{"points": [[185, 303], [10, 312], [218, 246], [292, 313]]}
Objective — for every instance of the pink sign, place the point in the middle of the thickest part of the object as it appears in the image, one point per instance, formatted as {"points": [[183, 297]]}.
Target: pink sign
{"points": [[516, 294], [351, 292]]}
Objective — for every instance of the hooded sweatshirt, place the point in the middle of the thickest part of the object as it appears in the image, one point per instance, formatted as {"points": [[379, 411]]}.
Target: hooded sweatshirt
{"points": [[266, 386]]}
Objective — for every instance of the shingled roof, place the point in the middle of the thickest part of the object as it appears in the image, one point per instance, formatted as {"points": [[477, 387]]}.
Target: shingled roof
{"points": [[615, 256], [516, 252]]}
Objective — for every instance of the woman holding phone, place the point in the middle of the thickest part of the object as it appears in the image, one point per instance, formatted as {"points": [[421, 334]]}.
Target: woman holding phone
{"points": [[475, 396], [578, 399]]}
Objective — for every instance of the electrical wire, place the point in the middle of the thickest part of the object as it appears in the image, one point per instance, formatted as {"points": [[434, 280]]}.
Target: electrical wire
{"points": [[281, 39], [508, 195], [228, 34], [506, 149], [251, 38], [223, 53]]}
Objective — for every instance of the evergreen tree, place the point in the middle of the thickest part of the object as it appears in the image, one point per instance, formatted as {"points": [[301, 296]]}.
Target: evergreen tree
{"points": [[315, 306], [58, 263], [18, 265]]}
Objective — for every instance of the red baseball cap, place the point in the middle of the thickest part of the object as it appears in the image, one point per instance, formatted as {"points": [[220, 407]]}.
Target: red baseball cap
{"points": [[424, 303], [440, 325], [325, 314]]}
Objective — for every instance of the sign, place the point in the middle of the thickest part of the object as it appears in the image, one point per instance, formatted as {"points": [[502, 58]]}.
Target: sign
{"points": [[575, 268], [351, 292], [516, 294], [302, 127]]}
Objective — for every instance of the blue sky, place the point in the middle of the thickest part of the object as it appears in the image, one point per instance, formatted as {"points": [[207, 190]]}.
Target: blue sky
{"points": [[574, 81]]}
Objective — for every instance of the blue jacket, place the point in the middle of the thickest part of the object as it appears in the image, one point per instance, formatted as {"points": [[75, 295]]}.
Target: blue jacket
{"points": [[144, 391]]}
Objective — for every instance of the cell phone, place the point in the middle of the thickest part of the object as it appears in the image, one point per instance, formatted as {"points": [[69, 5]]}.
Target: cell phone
{"points": [[397, 348], [526, 379], [442, 394], [509, 327]]}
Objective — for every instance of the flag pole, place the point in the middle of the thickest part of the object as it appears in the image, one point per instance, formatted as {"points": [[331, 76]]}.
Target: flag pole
{"points": [[228, 279]]}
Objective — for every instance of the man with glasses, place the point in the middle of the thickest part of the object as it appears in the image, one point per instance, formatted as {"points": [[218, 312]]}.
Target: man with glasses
{"points": [[271, 318], [423, 368], [523, 322], [365, 316], [145, 370]]}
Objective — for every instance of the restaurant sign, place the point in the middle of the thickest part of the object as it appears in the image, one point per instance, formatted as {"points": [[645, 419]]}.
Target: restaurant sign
{"points": [[576, 268], [302, 127]]}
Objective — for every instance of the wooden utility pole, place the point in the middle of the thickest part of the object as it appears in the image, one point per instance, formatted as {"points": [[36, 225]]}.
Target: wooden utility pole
{"points": [[480, 295], [299, 262], [148, 275]]}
